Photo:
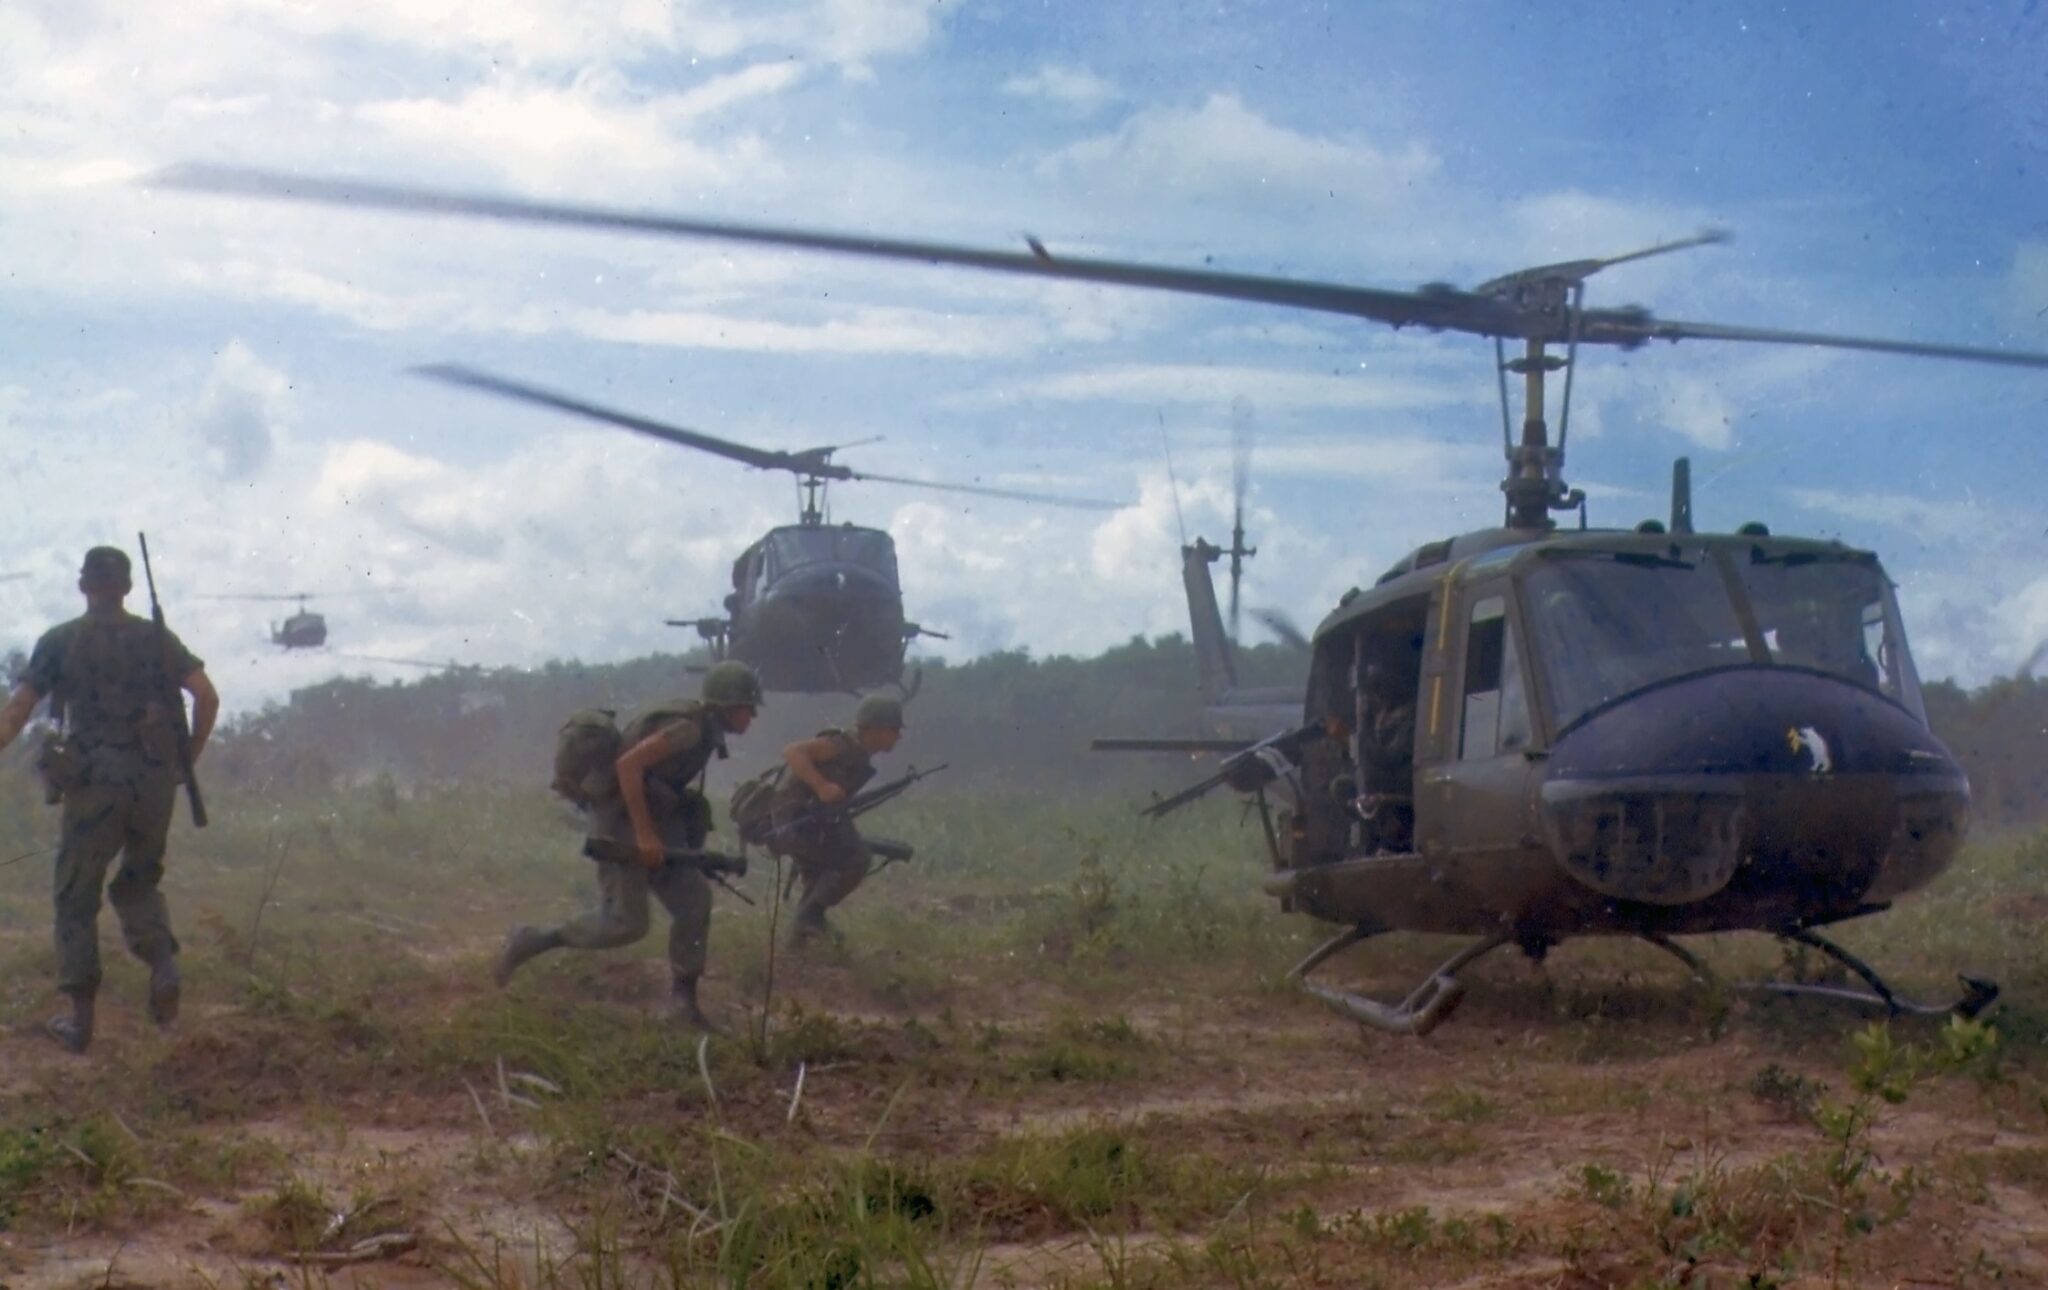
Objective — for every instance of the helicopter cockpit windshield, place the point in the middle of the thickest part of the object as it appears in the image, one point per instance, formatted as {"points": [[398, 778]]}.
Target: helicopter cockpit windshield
{"points": [[1836, 614], [1609, 624], [793, 548]]}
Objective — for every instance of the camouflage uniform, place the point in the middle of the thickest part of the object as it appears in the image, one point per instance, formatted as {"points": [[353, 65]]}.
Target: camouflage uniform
{"points": [[107, 675], [682, 817], [831, 860]]}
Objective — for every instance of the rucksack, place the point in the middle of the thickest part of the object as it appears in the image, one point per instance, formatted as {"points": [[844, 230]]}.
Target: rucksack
{"points": [[753, 804], [586, 750], [667, 712]]}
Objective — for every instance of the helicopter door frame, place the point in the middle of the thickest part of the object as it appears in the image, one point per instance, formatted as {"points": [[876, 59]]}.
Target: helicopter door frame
{"points": [[1465, 796]]}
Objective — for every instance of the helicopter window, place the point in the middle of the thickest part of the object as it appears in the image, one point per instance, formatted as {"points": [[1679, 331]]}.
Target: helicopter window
{"points": [[1606, 627], [1496, 715], [1835, 615], [868, 548]]}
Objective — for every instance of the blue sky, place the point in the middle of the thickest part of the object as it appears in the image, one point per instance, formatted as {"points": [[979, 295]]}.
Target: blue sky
{"points": [[230, 375]]}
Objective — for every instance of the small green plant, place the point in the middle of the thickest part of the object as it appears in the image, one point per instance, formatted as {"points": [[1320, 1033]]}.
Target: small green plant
{"points": [[1787, 1091]]}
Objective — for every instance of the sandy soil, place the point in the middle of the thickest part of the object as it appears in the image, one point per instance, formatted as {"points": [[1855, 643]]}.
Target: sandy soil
{"points": [[1493, 1114]]}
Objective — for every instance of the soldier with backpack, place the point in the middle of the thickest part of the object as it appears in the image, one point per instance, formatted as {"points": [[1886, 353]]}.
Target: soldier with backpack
{"points": [[822, 772], [643, 785]]}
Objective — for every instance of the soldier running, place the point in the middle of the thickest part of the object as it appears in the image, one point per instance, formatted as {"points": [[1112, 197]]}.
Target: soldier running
{"points": [[658, 805], [831, 859], [112, 678]]}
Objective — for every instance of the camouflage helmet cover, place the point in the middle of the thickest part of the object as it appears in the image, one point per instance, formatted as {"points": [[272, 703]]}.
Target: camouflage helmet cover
{"points": [[732, 684], [879, 710]]}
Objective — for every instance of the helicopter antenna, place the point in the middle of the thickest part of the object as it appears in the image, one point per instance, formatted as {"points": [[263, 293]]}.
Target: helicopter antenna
{"points": [[1180, 521], [1240, 482]]}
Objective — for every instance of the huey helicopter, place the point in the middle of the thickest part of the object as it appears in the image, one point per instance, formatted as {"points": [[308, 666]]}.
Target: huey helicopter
{"points": [[1526, 734], [302, 629], [815, 607], [1231, 714]]}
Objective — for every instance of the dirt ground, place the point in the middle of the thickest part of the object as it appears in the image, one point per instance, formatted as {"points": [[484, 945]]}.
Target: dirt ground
{"points": [[1547, 1136]]}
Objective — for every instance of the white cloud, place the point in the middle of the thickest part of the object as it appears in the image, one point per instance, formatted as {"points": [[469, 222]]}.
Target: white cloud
{"points": [[240, 412], [1073, 87], [595, 130], [1226, 152]]}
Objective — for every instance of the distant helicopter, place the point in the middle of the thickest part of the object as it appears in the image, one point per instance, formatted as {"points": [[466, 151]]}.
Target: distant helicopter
{"points": [[1522, 734], [815, 607], [1231, 715], [303, 629]]}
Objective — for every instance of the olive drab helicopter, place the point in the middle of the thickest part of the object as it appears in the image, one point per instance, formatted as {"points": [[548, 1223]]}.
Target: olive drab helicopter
{"points": [[815, 607], [301, 629], [1530, 733]]}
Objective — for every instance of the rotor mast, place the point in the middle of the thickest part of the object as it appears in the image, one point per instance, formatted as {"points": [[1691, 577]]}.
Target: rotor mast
{"points": [[1535, 480]]}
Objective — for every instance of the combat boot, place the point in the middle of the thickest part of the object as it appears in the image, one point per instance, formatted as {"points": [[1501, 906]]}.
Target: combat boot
{"points": [[164, 988], [521, 944], [810, 926], [73, 1032], [683, 1008]]}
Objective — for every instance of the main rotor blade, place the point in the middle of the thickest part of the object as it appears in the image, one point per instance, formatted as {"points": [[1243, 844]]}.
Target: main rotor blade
{"points": [[403, 662], [1617, 328], [456, 374], [1580, 270], [1008, 494], [1437, 307], [12, 577], [286, 595], [1443, 308]]}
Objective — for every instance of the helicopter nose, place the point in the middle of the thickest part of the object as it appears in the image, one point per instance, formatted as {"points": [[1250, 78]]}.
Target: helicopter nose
{"points": [[1792, 788], [826, 580]]}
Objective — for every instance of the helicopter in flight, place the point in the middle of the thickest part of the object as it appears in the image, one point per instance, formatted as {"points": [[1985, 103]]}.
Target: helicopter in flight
{"points": [[815, 607], [1528, 733], [302, 628]]}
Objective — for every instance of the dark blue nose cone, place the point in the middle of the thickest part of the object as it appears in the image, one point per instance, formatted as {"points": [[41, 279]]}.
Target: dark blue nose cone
{"points": [[1765, 793]]}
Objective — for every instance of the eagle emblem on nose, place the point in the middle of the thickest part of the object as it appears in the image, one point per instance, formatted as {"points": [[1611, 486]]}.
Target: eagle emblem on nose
{"points": [[1805, 739]]}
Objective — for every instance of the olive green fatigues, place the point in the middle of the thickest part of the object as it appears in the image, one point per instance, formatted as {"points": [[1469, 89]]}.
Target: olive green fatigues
{"points": [[112, 679], [682, 817], [831, 859]]}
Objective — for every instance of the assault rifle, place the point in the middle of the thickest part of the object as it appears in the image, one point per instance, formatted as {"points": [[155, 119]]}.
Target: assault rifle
{"points": [[167, 686], [1246, 771], [857, 805], [715, 865]]}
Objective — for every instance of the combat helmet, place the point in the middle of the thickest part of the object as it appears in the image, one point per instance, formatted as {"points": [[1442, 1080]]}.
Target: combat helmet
{"points": [[732, 684], [879, 710]]}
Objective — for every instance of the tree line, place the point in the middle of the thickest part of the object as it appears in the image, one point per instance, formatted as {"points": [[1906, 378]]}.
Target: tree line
{"points": [[1006, 717]]}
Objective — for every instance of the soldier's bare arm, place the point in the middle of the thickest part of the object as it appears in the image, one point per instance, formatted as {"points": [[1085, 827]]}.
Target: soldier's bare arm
{"points": [[803, 757], [205, 707], [15, 715], [676, 737]]}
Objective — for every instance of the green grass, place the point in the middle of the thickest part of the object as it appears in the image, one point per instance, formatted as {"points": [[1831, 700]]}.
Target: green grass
{"points": [[1035, 956]]}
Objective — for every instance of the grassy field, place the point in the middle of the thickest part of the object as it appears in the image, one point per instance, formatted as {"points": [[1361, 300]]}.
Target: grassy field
{"points": [[1054, 1050]]}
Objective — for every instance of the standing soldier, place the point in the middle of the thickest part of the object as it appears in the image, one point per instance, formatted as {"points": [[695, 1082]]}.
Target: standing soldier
{"points": [[831, 859], [659, 805], [112, 679]]}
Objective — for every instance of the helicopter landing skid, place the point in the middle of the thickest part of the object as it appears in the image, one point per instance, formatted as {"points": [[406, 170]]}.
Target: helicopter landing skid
{"points": [[1978, 993], [1426, 1006]]}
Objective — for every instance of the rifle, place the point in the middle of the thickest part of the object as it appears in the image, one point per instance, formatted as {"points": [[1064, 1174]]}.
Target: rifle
{"points": [[168, 686], [1235, 768], [715, 865], [857, 805]]}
